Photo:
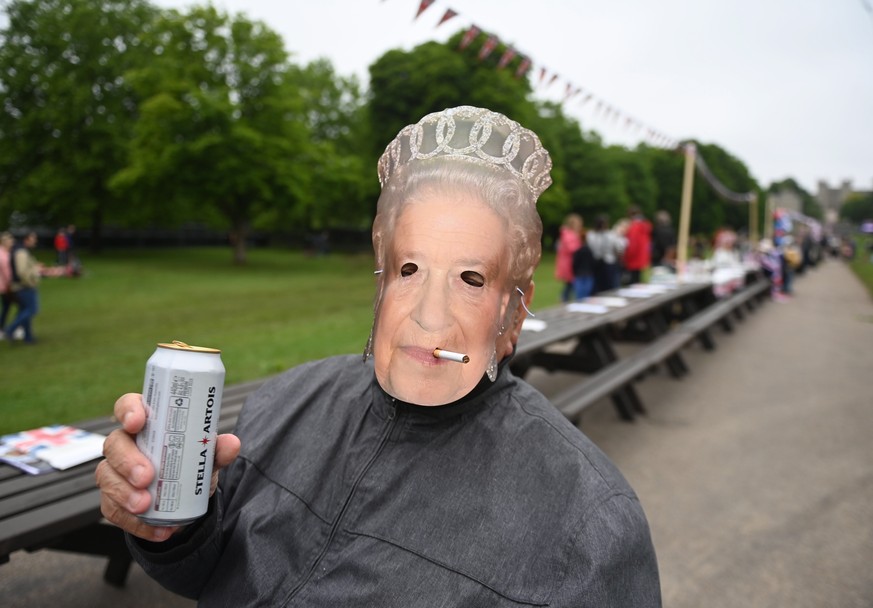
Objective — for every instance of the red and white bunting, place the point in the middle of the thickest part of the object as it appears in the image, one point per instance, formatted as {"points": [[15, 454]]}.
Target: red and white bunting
{"points": [[469, 36], [446, 16], [505, 58], [423, 6], [523, 67], [571, 92], [488, 47], [602, 109]]}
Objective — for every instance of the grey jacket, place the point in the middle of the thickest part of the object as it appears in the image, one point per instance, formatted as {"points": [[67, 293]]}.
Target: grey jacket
{"points": [[344, 497]]}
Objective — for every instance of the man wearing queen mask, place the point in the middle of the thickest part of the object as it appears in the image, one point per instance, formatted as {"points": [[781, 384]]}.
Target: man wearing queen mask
{"points": [[411, 478]]}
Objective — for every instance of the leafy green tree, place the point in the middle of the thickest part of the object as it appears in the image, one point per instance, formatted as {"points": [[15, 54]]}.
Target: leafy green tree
{"points": [[340, 164], [858, 208], [406, 85], [810, 207], [221, 132], [638, 181], [66, 108], [667, 168]]}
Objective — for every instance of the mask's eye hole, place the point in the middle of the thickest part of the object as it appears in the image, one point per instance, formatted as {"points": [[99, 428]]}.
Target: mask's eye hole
{"points": [[473, 278], [408, 269]]}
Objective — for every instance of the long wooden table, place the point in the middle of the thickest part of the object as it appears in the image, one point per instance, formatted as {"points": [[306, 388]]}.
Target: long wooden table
{"points": [[589, 338]]}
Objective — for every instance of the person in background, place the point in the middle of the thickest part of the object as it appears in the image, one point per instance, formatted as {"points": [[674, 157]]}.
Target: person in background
{"points": [[638, 254], [62, 247], [6, 296], [26, 272], [663, 241], [607, 247], [402, 480], [770, 261], [583, 270], [569, 240]]}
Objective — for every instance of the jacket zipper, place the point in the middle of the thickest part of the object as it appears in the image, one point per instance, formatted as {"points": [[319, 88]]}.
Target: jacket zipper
{"points": [[392, 420]]}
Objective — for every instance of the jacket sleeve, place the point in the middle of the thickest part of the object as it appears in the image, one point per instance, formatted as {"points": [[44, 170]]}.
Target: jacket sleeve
{"points": [[612, 563], [184, 563]]}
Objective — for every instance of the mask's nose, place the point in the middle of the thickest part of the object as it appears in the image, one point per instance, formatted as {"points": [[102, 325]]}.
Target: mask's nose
{"points": [[432, 312]]}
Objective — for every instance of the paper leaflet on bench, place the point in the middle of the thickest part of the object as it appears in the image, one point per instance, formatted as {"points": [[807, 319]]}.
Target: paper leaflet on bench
{"points": [[50, 448]]}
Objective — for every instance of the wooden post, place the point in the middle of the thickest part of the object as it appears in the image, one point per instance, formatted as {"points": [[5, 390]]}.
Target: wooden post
{"points": [[753, 221], [768, 218], [685, 212]]}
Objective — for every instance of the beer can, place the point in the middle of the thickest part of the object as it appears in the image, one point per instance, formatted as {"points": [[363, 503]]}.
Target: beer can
{"points": [[182, 395]]}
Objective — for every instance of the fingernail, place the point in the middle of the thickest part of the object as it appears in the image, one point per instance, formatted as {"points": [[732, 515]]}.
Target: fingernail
{"points": [[162, 534]]}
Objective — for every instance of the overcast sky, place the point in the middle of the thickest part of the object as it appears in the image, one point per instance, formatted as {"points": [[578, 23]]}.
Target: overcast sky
{"points": [[784, 85]]}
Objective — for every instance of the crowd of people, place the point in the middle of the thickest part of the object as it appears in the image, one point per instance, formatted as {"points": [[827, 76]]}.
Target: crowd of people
{"points": [[604, 258], [20, 274]]}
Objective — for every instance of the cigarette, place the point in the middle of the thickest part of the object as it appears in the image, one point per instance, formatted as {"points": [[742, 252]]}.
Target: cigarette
{"points": [[447, 354]]}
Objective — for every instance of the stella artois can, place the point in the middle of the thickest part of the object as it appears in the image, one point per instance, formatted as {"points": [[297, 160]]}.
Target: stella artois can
{"points": [[182, 395]]}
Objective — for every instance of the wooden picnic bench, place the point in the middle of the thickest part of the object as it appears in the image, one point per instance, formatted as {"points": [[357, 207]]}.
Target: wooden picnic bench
{"points": [[61, 510], [592, 338], [616, 379]]}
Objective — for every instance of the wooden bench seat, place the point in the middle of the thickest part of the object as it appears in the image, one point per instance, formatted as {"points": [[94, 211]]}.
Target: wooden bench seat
{"points": [[61, 509], [616, 379]]}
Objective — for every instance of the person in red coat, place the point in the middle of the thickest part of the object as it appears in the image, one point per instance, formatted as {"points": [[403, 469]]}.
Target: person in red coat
{"points": [[638, 254]]}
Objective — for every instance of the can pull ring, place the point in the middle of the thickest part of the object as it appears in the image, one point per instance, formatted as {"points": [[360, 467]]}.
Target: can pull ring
{"points": [[180, 344]]}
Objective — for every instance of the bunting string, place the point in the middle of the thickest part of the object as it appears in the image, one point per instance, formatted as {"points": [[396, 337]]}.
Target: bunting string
{"points": [[720, 189], [546, 78]]}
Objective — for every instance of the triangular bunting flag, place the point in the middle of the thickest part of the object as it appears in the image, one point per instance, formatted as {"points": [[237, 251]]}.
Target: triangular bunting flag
{"points": [[446, 16], [469, 36], [523, 67], [507, 56], [423, 6], [488, 47]]}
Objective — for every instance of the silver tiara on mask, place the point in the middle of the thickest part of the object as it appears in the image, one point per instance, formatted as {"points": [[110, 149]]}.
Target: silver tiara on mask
{"points": [[475, 135]]}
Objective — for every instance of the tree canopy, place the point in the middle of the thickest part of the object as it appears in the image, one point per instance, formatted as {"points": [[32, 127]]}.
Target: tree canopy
{"points": [[118, 112], [66, 109]]}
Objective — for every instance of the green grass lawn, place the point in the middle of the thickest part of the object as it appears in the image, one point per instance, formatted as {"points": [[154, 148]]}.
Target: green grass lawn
{"points": [[862, 265], [96, 332]]}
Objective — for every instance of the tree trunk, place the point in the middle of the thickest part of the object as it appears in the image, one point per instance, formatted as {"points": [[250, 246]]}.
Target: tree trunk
{"points": [[238, 234]]}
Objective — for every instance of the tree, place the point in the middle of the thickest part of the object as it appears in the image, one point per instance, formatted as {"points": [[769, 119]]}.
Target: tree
{"points": [[66, 109], [222, 131], [342, 180], [406, 85], [809, 206], [858, 208]]}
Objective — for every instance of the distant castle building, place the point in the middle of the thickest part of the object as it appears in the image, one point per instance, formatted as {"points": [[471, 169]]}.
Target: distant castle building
{"points": [[832, 199]]}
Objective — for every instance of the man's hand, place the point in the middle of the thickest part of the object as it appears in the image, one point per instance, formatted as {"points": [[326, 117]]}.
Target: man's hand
{"points": [[125, 474]]}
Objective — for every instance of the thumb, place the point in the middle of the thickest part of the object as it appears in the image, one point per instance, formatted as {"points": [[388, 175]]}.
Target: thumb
{"points": [[226, 450]]}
